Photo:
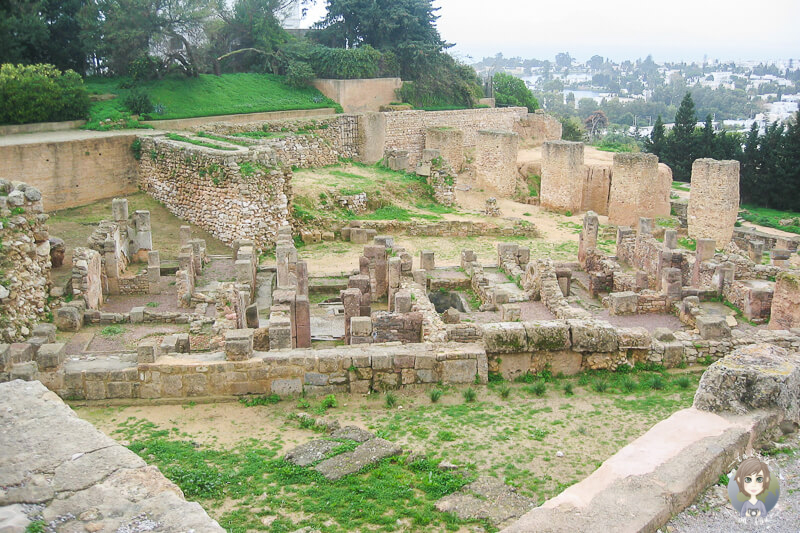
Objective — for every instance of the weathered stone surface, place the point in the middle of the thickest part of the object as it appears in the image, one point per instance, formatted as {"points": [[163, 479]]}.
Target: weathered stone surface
{"points": [[593, 336], [459, 371], [310, 452], [486, 498], [68, 318], [785, 311], [623, 303], [287, 387], [352, 433], [365, 454], [55, 459], [50, 356], [505, 337], [713, 327], [758, 376], [547, 335], [45, 330]]}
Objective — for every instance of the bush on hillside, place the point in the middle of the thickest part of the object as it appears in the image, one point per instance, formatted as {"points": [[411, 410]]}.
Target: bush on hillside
{"points": [[346, 64], [299, 74], [512, 91], [138, 102], [41, 93]]}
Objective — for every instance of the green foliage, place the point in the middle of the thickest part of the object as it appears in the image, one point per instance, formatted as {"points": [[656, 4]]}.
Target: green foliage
{"points": [[572, 129], [138, 102], [299, 74], [112, 330], [723, 480], [470, 395], [683, 382], [213, 137], [152, 304], [510, 91], [329, 401], [435, 395], [771, 218], [40, 93], [251, 401], [600, 385], [37, 526], [568, 389], [136, 148], [537, 389], [340, 63], [504, 391], [390, 399]]}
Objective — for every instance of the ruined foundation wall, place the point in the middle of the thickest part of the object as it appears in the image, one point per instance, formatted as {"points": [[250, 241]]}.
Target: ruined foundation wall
{"points": [[449, 142], [406, 130], [714, 202], [538, 127], [785, 312], [496, 161], [209, 189], [562, 176], [596, 188], [24, 261], [634, 186]]}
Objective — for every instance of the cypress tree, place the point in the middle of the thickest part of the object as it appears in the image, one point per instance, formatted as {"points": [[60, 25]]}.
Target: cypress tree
{"points": [[656, 143], [681, 141]]}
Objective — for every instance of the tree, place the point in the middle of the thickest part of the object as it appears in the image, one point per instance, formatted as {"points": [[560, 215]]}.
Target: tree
{"points": [[595, 62], [707, 140], [749, 166], [572, 129], [512, 91], [596, 122], [681, 148], [563, 59]]}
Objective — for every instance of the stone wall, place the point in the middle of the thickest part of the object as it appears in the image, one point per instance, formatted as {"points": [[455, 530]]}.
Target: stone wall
{"points": [[743, 235], [538, 127], [24, 260], [596, 188], [714, 202], [449, 228], [786, 302], [305, 142], [562, 176], [87, 280], [73, 173], [450, 143], [402, 327], [210, 189], [406, 130], [496, 161], [357, 96], [636, 189]]}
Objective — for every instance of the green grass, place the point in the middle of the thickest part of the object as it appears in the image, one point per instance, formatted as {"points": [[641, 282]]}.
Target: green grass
{"points": [[112, 331], [687, 242], [197, 142], [770, 217], [680, 186], [208, 95]]}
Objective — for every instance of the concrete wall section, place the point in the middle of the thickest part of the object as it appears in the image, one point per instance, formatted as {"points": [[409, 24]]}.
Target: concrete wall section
{"points": [[73, 173], [358, 96]]}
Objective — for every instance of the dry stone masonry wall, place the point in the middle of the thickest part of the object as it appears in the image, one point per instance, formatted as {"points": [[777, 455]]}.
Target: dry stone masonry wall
{"points": [[24, 260], [637, 189], [496, 161], [714, 202], [562, 168]]}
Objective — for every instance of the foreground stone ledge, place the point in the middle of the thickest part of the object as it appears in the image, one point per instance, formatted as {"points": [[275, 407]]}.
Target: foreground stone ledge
{"points": [[656, 476], [53, 458]]}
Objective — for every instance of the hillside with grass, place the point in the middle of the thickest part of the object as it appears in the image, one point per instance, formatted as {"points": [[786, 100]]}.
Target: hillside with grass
{"points": [[203, 96]]}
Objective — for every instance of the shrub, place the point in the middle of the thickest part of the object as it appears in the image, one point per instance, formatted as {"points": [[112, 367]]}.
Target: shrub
{"points": [[627, 384], [683, 382], [512, 91], [145, 67], [599, 385], [41, 93], [538, 388], [299, 74], [656, 383], [390, 399], [345, 63], [435, 395], [470, 395], [138, 102], [504, 391], [329, 401], [568, 389]]}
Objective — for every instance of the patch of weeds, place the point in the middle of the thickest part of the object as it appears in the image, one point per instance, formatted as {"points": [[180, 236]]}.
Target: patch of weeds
{"points": [[568, 389], [470, 395], [496, 377], [538, 434], [537, 389], [705, 360], [112, 330], [683, 382], [435, 395], [627, 384], [37, 526], [152, 304], [723, 480], [390, 399], [303, 403], [599, 385], [656, 383], [583, 379], [252, 401], [447, 436], [504, 391], [196, 142], [329, 401]]}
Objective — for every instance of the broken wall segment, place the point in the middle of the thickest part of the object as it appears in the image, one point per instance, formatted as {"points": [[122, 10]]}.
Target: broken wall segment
{"points": [[785, 310], [714, 202], [562, 176], [496, 161], [450, 143], [538, 127], [637, 189]]}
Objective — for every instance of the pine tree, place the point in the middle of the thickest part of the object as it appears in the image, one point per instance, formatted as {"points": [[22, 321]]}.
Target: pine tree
{"points": [[789, 165], [656, 143], [707, 139], [748, 189], [681, 147]]}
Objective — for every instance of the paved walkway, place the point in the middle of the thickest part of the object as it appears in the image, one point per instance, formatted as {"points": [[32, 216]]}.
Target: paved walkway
{"points": [[69, 135]]}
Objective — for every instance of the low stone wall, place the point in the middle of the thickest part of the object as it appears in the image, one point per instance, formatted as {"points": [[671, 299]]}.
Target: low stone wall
{"points": [[62, 470], [232, 195], [743, 235], [198, 123], [24, 261], [450, 228], [356, 369]]}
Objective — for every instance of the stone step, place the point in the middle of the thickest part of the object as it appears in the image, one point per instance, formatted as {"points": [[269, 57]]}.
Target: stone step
{"points": [[364, 455]]}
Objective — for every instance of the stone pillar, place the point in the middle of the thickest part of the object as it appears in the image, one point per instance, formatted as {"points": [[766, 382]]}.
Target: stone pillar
{"points": [[671, 284], [364, 285], [420, 277], [238, 344], [351, 301], [302, 310], [756, 251], [467, 257], [144, 236], [402, 302], [634, 184], [564, 277], [280, 329], [282, 260], [562, 176], [153, 272], [449, 142], [394, 278], [426, 260], [86, 277], [119, 209], [185, 235], [588, 237], [376, 254], [785, 311], [496, 161], [780, 257], [704, 251], [302, 278], [111, 259], [670, 239], [714, 202]]}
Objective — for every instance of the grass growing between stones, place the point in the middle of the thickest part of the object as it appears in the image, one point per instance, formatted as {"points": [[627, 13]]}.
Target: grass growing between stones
{"points": [[228, 456]]}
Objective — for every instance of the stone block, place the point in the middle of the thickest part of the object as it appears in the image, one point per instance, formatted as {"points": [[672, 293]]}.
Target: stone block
{"points": [[137, 315], [636, 338], [623, 303], [50, 356], [713, 327], [402, 302], [69, 318], [361, 326], [510, 312], [238, 344], [182, 343], [358, 236], [146, 352], [593, 336], [427, 260], [673, 354], [251, 316], [459, 371], [505, 337], [547, 335], [48, 331]]}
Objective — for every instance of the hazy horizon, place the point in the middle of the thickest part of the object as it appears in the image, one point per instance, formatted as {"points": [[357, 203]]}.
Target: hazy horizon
{"points": [[687, 30]]}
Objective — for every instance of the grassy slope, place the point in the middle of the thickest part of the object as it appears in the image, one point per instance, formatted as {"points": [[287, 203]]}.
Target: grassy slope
{"points": [[770, 218], [209, 95]]}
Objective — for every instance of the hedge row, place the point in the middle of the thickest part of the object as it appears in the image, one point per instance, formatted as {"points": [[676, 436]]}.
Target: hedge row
{"points": [[40, 93]]}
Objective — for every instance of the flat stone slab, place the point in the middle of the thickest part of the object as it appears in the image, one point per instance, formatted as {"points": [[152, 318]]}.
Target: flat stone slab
{"points": [[365, 454], [81, 479], [310, 452], [486, 498], [353, 433]]}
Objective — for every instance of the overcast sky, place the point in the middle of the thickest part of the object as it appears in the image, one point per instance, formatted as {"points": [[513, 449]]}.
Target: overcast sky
{"points": [[667, 29]]}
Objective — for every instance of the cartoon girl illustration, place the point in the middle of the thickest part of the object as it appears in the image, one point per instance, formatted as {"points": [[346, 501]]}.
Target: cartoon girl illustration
{"points": [[753, 479]]}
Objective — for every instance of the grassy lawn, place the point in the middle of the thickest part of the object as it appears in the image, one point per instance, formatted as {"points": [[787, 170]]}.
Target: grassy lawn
{"points": [[207, 95], [228, 456], [770, 218]]}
